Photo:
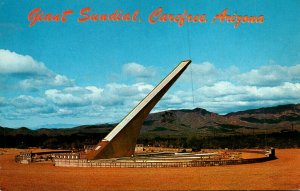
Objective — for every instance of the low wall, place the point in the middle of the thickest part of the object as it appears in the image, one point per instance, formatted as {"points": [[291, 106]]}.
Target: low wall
{"points": [[87, 163]]}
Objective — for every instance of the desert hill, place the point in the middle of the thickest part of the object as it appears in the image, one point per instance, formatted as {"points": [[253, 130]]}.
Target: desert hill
{"points": [[172, 124], [203, 122]]}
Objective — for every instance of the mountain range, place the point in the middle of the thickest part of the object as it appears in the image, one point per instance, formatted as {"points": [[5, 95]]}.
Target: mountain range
{"points": [[186, 122]]}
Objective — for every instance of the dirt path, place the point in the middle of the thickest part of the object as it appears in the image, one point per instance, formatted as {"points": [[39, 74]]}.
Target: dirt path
{"points": [[283, 173]]}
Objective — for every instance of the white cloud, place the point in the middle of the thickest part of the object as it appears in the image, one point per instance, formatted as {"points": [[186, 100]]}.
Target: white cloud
{"points": [[24, 101], [122, 94], [226, 90], [11, 62], [138, 71], [65, 112], [271, 75], [70, 97], [3, 101], [92, 100], [39, 82], [217, 90], [28, 74], [225, 96], [173, 99], [207, 74], [60, 80], [24, 106]]}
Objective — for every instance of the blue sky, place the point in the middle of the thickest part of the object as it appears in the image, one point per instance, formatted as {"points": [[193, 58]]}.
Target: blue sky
{"points": [[63, 74]]}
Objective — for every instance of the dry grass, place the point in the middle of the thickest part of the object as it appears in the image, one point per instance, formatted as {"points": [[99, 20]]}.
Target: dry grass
{"points": [[283, 173]]}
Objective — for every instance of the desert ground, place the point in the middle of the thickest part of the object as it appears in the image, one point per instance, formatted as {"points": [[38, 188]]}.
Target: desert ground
{"points": [[280, 174]]}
